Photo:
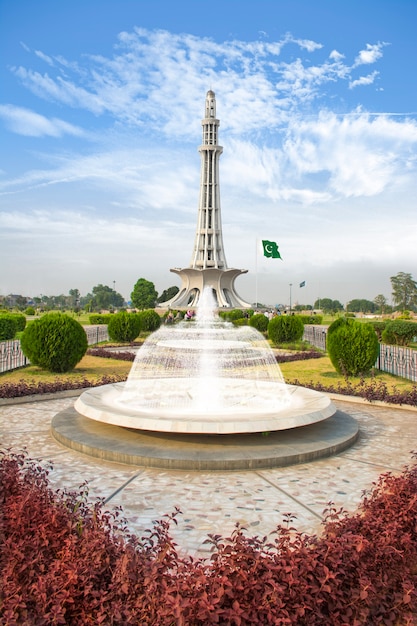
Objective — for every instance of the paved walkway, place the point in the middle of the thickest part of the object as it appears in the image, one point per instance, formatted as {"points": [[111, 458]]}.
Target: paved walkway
{"points": [[212, 502]]}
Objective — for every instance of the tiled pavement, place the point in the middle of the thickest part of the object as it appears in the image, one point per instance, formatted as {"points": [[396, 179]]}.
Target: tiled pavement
{"points": [[212, 502]]}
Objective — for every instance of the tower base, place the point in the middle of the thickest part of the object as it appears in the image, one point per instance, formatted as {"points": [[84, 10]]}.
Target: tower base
{"points": [[194, 281]]}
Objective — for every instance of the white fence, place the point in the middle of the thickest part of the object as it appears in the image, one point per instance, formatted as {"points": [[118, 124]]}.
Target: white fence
{"points": [[12, 357], [398, 361], [316, 335]]}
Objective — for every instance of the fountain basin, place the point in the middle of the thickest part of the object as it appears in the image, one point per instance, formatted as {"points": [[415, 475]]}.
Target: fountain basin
{"points": [[105, 404]]}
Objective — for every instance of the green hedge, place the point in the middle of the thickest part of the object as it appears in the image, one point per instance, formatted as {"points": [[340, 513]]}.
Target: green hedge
{"points": [[311, 319], [20, 320], [8, 327], [100, 318], [399, 332]]}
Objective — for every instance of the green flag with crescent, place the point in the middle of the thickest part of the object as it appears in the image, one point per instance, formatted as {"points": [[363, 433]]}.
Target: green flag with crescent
{"points": [[271, 249]]}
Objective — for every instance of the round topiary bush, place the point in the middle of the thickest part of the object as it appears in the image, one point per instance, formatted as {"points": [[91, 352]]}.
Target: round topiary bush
{"points": [[149, 320], [352, 346], [20, 320], [259, 321], [124, 326], [8, 327], [55, 342], [285, 328]]}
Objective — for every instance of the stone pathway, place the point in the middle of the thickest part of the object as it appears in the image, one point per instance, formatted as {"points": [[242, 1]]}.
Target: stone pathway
{"points": [[213, 502]]}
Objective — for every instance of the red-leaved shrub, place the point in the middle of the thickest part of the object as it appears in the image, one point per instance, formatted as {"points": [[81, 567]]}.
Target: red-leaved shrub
{"points": [[64, 560]]}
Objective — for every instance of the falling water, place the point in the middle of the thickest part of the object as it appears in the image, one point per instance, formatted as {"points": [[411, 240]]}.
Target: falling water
{"points": [[205, 367]]}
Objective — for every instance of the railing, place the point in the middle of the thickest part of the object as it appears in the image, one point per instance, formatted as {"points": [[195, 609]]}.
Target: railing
{"points": [[96, 334], [316, 335], [12, 357], [398, 361]]}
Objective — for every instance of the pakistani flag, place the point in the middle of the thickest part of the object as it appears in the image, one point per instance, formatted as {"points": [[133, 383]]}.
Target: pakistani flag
{"points": [[271, 249], [303, 284]]}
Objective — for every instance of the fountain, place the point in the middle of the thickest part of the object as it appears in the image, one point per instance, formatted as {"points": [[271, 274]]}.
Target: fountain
{"points": [[204, 394]]}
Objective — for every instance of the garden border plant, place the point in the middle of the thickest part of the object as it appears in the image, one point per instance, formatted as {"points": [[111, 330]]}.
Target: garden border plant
{"points": [[72, 562]]}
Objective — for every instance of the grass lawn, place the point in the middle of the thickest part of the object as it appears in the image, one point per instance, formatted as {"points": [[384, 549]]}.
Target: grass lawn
{"points": [[322, 371], [92, 368]]}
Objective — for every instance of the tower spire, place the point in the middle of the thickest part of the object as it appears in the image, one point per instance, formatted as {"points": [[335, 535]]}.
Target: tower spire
{"points": [[208, 265], [208, 246]]}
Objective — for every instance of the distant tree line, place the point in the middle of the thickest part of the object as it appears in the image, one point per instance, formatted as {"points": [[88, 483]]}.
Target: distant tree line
{"points": [[145, 296]]}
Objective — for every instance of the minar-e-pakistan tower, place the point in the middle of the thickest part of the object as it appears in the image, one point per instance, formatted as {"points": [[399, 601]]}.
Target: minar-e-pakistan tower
{"points": [[208, 267]]}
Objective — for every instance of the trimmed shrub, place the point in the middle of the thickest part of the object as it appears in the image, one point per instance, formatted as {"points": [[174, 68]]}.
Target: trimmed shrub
{"points": [[311, 319], [399, 333], [55, 342], [231, 316], [352, 346], [285, 328], [30, 311], [100, 318], [149, 320], [242, 321], [8, 327], [259, 321], [124, 326]]}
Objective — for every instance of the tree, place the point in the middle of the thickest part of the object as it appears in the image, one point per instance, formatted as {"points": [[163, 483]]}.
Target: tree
{"points": [[74, 298], [106, 298], [167, 294], [144, 294], [404, 291], [380, 302], [328, 306], [360, 306]]}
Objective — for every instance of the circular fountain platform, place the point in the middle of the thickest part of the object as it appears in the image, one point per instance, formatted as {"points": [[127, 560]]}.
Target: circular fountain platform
{"points": [[188, 451], [245, 413]]}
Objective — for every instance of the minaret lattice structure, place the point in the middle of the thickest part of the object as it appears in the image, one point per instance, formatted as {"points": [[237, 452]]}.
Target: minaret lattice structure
{"points": [[208, 267]]}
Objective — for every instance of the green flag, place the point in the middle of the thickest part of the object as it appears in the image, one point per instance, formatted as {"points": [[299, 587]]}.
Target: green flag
{"points": [[271, 249]]}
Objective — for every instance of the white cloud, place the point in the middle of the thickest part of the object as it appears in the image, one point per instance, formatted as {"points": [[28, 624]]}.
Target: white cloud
{"points": [[137, 85], [360, 155], [44, 57], [336, 56], [363, 80], [371, 54], [25, 122]]}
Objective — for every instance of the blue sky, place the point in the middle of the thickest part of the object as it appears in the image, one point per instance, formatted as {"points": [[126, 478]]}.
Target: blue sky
{"points": [[100, 121]]}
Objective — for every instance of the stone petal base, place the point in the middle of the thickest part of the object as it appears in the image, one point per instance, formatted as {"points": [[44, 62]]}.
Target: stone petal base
{"points": [[204, 452]]}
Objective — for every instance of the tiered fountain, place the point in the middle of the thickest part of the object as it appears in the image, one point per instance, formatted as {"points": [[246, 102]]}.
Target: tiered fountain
{"points": [[204, 394]]}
